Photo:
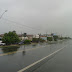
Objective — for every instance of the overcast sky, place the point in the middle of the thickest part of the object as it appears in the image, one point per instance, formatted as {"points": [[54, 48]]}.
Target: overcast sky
{"points": [[41, 15]]}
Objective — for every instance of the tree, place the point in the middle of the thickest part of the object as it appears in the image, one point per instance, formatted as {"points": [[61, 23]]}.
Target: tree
{"points": [[10, 38]]}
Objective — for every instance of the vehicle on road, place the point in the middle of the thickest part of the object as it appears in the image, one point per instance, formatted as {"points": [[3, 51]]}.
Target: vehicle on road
{"points": [[22, 42], [2, 44]]}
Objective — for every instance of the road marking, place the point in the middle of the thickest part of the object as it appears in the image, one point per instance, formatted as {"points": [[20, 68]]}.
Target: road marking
{"points": [[22, 50], [22, 70]]}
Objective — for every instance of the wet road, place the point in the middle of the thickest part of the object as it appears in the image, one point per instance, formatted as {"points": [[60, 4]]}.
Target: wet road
{"points": [[61, 62], [15, 61]]}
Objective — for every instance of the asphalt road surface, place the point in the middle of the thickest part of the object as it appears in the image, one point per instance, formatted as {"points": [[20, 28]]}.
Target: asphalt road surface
{"points": [[37, 58]]}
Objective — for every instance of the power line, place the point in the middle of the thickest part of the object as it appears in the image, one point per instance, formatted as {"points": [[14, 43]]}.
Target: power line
{"points": [[20, 24]]}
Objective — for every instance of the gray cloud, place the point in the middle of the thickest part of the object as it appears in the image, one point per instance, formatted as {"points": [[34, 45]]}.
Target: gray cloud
{"points": [[46, 15]]}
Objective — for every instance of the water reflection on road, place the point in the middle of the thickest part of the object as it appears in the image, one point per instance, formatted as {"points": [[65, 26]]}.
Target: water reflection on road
{"points": [[25, 55], [23, 48]]}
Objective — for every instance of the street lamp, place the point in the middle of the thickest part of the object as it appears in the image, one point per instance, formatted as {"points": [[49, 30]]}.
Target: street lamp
{"points": [[3, 13]]}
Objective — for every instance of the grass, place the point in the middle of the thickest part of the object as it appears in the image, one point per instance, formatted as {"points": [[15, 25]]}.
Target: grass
{"points": [[9, 46]]}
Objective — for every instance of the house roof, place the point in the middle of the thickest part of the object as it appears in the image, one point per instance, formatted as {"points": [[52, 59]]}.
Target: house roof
{"points": [[43, 36]]}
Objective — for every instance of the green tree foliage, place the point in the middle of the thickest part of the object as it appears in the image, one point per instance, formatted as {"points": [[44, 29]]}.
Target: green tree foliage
{"points": [[49, 38], [10, 38]]}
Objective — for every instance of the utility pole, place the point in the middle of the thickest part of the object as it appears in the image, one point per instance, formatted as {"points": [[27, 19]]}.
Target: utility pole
{"points": [[46, 35], [21, 36], [3, 13], [39, 37], [25, 34]]}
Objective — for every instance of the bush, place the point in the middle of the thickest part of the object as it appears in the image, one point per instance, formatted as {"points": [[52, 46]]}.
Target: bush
{"points": [[42, 40], [49, 38], [61, 38], [55, 38], [35, 40], [27, 42]]}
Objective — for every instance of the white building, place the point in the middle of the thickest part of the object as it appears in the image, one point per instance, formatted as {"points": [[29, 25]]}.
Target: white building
{"points": [[23, 38], [35, 36]]}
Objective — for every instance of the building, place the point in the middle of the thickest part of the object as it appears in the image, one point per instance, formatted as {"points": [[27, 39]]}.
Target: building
{"points": [[21, 37], [30, 37], [43, 37], [35, 36]]}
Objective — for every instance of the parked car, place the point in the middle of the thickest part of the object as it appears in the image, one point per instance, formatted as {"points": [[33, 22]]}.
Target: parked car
{"points": [[22, 42], [2, 44]]}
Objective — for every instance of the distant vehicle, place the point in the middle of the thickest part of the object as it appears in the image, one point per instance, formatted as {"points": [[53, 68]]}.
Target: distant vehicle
{"points": [[2, 44], [34, 45], [0, 38], [0, 41], [22, 42]]}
